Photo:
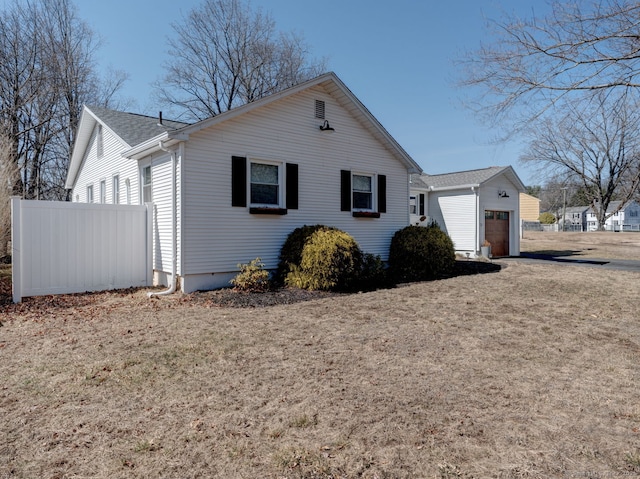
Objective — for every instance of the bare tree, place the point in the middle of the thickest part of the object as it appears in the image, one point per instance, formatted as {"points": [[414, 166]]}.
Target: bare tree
{"points": [[595, 145], [536, 64], [8, 172], [225, 55], [47, 71]]}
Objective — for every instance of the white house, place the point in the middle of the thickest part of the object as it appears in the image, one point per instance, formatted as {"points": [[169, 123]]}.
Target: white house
{"points": [[625, 217], [471, 206], [231, 188], [575, 218]]}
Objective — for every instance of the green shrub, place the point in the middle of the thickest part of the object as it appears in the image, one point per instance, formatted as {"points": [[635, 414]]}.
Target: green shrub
{"points": [[331, 260], [252, 278], [421, 253], [373, 273], [547, 218], [291, 251]]}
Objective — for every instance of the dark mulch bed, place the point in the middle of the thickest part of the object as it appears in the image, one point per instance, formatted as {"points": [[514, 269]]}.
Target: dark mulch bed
{"points": [[220, 298], [237, 299], [228, 297]]}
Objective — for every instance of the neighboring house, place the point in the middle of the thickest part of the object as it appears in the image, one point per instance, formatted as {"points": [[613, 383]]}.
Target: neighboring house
{"points": [[529, 207], [626, 218], [471, 206], [575, 218], [231, 188]]}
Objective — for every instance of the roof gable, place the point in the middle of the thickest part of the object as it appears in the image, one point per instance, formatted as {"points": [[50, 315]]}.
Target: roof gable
{"points": [[133, 128], [141, 135], [338, 90], [129, 128]]}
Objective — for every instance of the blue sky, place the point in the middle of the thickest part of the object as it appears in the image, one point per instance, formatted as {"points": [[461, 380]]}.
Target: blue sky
{"points": [[396, 57]]}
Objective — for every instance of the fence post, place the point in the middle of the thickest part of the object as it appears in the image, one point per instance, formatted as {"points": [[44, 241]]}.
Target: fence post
{"points": [[16, 247]]}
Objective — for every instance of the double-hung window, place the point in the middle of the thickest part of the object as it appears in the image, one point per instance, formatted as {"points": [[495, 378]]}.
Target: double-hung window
{"points": [[103, 191], [90, 194], [265, 181], [147, 195], [116, 190], [364, 194], [269, 187]]}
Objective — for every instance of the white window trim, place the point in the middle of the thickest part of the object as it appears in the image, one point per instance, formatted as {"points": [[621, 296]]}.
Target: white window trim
{"points": [[142, 184], [102, 191], [413, 204], [374, 191], [89, 198], [127, 185], [115, 192], [281, 185]]}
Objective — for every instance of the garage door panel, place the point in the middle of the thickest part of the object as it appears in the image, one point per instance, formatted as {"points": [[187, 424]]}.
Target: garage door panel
{"points": [[496, 231]]}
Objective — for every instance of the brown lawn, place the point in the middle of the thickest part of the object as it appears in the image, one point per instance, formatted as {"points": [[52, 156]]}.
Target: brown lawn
{"points": [[600, 244], [530, 371]]}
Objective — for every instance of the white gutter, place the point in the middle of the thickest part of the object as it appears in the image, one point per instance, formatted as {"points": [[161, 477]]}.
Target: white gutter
{"points": [[174, 230], [455, 187]]}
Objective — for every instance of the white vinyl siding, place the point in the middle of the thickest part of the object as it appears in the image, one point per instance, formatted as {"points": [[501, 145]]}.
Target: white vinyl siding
{"points": [[455, 212], [160, 178], [112, 162], [217, 236]]}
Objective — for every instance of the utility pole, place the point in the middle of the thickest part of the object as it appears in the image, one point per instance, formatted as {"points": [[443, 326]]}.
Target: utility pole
{"points": [[564, 207]]}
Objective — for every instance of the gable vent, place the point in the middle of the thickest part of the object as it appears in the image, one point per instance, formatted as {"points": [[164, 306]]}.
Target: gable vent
{"points": [[320, 109]]}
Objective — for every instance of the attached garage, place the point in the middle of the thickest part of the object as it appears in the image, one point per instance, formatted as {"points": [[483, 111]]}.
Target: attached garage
{"points": [[471, 207]]}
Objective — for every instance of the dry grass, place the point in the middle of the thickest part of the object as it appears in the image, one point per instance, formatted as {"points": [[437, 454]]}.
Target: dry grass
{"points": [[600, 244], [531, 371]]}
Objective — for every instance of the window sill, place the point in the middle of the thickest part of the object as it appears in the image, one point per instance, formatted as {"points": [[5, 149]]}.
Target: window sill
{"points": [[366, 214], [267, 211]]}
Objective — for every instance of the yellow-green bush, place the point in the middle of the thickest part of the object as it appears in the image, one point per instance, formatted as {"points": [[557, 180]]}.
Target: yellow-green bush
{"points": [[291, 251], [252, 278], [331, 260], [547, 218]]}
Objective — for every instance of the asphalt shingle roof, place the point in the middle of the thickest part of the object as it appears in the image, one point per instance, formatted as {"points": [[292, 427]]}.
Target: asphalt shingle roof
{"points": [[469, 177], [132, 127]]}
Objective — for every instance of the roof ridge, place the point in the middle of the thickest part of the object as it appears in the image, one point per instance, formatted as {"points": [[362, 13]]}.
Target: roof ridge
{"points": [[142, 115], [467, 171]]}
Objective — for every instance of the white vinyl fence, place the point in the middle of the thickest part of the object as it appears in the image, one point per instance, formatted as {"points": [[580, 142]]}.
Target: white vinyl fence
{"points": [[60, 247]]}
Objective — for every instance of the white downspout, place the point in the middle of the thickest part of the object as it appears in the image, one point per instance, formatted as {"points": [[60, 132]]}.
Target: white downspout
{"points": [[477, 240], [174, 230]]}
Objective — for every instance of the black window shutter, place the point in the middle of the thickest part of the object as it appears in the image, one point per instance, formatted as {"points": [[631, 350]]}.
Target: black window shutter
{"points": [[382, 193], [292, 186], [238, 181], [421, 209], [345, 190]]}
